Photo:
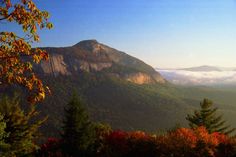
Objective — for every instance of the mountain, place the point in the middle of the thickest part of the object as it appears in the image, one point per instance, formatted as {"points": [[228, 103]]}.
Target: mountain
{"points": [[205, 68], [118, 89], [91, 56]]}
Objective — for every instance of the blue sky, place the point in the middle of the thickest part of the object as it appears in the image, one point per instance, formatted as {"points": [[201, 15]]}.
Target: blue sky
{"points": [[163, 33]]}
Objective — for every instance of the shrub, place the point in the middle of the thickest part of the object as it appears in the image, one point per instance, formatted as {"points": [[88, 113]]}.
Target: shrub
{"points": [[195, 143], [52, 148], [181, 142]]}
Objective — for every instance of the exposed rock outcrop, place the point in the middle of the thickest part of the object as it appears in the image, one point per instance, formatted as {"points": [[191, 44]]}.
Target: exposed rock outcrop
{"points": [[55, 65], [91, 56], [139, 78]]}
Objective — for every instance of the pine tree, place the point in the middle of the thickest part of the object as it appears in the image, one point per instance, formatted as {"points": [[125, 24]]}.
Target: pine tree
{"points": [[3, 145], [78, 133], [208, 118], [21, 127]]}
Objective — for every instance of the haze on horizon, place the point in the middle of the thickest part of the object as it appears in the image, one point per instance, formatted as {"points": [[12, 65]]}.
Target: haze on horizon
{"points": [[163, 33]]}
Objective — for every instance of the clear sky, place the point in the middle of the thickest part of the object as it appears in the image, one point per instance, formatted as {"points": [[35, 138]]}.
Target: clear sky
{"points": [[163, 33]]}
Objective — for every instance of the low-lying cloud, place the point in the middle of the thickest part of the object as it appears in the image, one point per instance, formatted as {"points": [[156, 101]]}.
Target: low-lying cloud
{"points": [[199, 77]]}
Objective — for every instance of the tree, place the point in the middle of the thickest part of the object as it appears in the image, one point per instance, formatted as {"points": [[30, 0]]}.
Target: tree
{"points": [[21, 127], [3, 145], [78, 131], [208, 118], [16, 53]]}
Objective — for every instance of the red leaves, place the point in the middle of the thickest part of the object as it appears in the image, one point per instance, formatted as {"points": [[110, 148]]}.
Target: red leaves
{"points": [[189, 142], [8, 3], [51, 142], [24, 1], [52, 148], [118, 139], [182, 142]]}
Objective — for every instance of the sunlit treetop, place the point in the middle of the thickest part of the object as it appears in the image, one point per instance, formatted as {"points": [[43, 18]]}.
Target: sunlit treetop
{"points": [[16, 53]]}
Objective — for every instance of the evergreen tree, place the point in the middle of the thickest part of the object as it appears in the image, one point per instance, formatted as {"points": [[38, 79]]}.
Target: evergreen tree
{"points": [[21, 127], [208, 118], [78, 133], [3, 145]]}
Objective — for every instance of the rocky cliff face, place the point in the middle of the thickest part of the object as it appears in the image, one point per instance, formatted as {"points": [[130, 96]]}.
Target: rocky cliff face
{"points": [[139, 78], [142, 78], [91, 56], [55, 65]]}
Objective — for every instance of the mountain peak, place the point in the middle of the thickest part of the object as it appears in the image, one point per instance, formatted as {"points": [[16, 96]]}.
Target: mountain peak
{"points": [[89, 45], [92, 56], [89, 42], [206, 68]]}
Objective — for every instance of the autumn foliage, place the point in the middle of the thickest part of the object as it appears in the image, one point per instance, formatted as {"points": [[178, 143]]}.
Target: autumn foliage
{"points": [[101, 141], [16, 53], [194, 142], [51, 148], [182, 142]]}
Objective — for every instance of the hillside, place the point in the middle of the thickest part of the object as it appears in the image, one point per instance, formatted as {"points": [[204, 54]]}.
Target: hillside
{"points": [[119, 89]]}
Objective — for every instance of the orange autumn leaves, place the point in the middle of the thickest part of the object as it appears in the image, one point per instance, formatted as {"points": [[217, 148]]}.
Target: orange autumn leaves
{"points": [[193, 142], [192, 137], [182, 142], [16, 53]]}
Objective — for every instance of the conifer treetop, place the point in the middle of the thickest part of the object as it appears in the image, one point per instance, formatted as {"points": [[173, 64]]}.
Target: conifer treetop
{"points": [[207, 116]]}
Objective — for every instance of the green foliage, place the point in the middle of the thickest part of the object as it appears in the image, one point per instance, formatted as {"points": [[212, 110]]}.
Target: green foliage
{"points": [[101, 131], [78, 133], [20, 126], [121, 104], [132, 105], [3, 145], [208, 118]]}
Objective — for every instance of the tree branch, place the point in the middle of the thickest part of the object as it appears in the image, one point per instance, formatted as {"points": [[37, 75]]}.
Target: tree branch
{"points": [[8, 57], [4, 18]]}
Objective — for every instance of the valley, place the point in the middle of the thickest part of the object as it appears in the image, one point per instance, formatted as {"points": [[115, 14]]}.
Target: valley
{"points": [[121, 90]]}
